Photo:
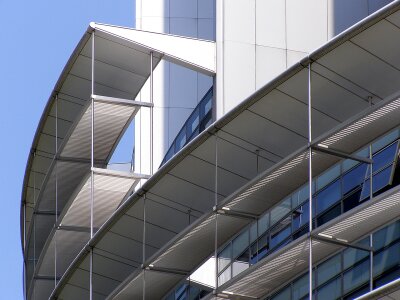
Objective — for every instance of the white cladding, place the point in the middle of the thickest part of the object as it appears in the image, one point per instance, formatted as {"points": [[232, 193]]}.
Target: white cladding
{"points": [[258, 39], [177, 90]]}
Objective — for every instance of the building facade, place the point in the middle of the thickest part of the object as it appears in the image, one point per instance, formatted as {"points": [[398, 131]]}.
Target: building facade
{"points": [[265, 163]]}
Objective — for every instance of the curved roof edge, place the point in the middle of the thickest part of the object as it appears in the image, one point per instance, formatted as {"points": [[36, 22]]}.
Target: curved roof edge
{"points": [[217, 125]]}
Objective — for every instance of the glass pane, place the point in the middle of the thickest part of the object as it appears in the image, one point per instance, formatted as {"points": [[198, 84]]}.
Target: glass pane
{"points": [[263, 224], [240, 243], [379, 181], [386, 140], [354, 178], [329, 269], [225, 276], [180, 140], [356, 276], [329, 215], [206, 105], [332, 290], [281, 210], [300, 288], [328, 177], [283, 295], [253, 232], [180, 292], [301, 196], [386, 259], [263, 246], [278, 236], [192, 122], [328, 196], [351, 201], [241, 264], [301, 216], [351, 256], [384, 157], [253, 254], [386, 235], [224, 258]]}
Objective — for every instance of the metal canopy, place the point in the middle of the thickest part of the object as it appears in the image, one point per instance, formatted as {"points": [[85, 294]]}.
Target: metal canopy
{"points": [[61, 151], [271, 142], [287, 263], [388, 291], [73, 227]]}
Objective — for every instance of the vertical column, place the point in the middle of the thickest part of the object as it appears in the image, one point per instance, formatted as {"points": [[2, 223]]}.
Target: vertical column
{"points": [[34, 229], [144, 247], [151, 112], [310, 260], [56, 192], [92, 173], [24, 252], [216, 213], [371, 194]]}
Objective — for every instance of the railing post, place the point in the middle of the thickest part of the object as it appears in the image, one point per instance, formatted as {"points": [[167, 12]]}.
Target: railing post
{"points": [[310, 226]]}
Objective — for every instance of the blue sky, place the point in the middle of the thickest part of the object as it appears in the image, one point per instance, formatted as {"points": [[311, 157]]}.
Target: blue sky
{"points": [[37, 38]]}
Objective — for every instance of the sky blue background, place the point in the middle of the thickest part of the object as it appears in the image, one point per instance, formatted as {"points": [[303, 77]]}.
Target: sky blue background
{"points": [[36, 40]]}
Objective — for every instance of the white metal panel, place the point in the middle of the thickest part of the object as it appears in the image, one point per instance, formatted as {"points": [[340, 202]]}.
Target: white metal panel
{"points": [[239, 21], [271, 23], [191, 52], [270, 62], [306, 24]]}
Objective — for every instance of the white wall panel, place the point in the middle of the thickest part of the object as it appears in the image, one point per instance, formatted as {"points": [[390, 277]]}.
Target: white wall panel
{"points": [[239, 73], [271, 23], [240, 21], [306, 24], [294, 57], [270, 62], [155, 8], [156, 24]]}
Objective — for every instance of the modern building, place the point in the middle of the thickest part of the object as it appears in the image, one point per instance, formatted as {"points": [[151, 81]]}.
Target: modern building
{"points": [[265, 161]]}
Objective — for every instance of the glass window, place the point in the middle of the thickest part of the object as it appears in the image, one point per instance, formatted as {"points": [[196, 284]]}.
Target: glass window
{"points": [[379, 181], [206, 105], [241, 263], [388, 277], [263, 224], [354, 178], [384, 157], [356, 276], [329, 215], [386, 259], [386, 235], [170, 153], [180, 140], [351, 201], [253, 232], [300, 288], [225, 276], [328, 196], [301, 196], [328, 177], [240, 243], [224, 258], [192, 122], [180, 292], [329, 269], [279, 234], [301, 216], [263, 246], [351, 255], [253, 253], [282, 295], [382, 142], [332, 290], [279, 211]]}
